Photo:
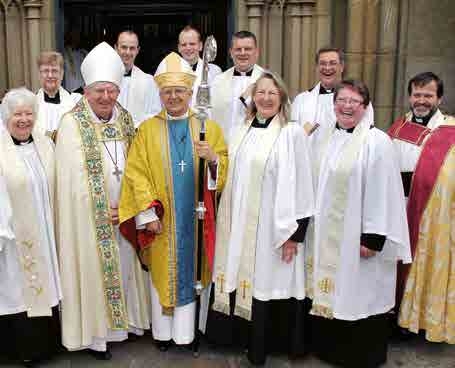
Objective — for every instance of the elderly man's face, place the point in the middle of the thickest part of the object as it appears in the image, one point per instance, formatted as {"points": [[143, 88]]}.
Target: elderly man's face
{"points": [[424, 99], [127, 47], [102, 98], [190, 46], [51, 76], [244, 53], [330, 69], [21, 122], [176, 100]]}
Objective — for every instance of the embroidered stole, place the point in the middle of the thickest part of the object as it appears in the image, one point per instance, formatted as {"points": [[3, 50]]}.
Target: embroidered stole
{"points": [[33, 263], [108, 249], [329, 244], [244, 296]]}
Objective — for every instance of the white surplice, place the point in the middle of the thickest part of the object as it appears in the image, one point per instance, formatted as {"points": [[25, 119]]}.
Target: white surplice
{"points": [[314, 108], [286, 196], [214, 70], [49, 114], [11, 273], [375, 204], [139, 95], [227, 108]]}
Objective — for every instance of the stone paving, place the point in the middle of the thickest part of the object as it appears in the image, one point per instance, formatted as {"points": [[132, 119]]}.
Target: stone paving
{"points": [[142, 353]]}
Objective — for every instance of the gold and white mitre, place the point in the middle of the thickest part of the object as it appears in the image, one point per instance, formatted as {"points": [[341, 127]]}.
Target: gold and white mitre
{"points": [[102, 64], [174, 71]]}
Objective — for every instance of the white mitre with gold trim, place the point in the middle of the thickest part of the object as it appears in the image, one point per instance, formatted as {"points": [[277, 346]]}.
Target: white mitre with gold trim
{"points": [[174, 71], [102, 64]]}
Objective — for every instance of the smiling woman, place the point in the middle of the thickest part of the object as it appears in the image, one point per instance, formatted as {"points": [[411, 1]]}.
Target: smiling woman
{"points": [[19, 114], [29, 278]]}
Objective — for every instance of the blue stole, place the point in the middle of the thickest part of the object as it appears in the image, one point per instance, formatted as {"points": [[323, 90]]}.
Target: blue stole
{"points": [[184, 204]]}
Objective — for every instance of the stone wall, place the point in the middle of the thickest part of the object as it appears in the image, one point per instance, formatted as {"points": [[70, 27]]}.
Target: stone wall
{"points": [[427, 44], [386, 42], [26, 28]]}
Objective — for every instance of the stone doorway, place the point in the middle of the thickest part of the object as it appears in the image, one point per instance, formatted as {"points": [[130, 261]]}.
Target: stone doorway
{"points": [[156, 22]]}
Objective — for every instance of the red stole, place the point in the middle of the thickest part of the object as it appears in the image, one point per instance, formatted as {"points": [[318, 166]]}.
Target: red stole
{"points": [[424, 179], [425, 176], [408, 131]]}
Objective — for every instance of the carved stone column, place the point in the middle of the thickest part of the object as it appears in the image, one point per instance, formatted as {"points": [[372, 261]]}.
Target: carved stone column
{"points": [[299, 44], [372, 13], [294, 62], [32, 18], [323, 20], [307, 48], [323, 23], [387, 54], [275, 35], [355, 39], [255, 18]]}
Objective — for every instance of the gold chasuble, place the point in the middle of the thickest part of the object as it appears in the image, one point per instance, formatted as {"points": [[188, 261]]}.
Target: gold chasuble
{"points": [[148, 182], [428, 301], [94, 300]]}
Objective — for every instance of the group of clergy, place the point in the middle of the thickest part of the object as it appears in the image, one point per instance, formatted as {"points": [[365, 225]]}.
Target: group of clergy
{"points": [[320, 231]]}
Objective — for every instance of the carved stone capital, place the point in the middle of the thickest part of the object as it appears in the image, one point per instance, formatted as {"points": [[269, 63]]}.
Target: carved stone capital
{"points": [[300, 8], [33, 3], [255, 8], [250, 3]]}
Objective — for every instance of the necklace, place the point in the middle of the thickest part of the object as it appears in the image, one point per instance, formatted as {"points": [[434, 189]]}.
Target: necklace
{"points": [[117, 172], [177, 142]]}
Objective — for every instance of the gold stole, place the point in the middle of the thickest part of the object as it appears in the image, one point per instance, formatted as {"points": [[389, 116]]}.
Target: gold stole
{"points": [[329, 244], [35, 272], [108, 249], [244, 296]]}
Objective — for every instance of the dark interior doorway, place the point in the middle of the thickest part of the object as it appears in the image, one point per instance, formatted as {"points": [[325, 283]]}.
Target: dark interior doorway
{"points": [[156, 22]]}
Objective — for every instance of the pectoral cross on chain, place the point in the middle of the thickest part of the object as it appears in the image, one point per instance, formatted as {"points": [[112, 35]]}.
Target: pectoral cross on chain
{"points": [[117, 172], [244, 285], [182, 165]]}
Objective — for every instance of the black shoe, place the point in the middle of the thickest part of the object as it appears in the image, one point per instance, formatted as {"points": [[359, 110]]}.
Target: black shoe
{"points": [[101, 355], [163, 345]]}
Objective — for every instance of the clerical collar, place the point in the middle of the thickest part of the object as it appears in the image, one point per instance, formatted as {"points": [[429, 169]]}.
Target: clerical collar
{"points": [[22, 143], [52, 100], [248, 73], [324, 91], [194, 66], [128, 73], [181, 117], [349, 130], [423, 120], [259, 122], [97, 119]]}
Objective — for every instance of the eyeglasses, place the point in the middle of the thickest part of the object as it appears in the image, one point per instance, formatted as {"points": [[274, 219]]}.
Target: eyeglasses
{"points": [[350, 101], [48, 71], [326, 64]]}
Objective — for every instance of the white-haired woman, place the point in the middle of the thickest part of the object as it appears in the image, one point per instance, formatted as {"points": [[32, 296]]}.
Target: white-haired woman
{"points": [[262, 220], [29, 279]]}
